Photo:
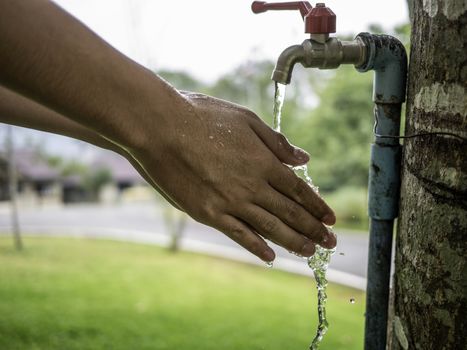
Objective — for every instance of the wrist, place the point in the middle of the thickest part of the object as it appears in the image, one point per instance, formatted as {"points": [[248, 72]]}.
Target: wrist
{"points": [[143, 111]]}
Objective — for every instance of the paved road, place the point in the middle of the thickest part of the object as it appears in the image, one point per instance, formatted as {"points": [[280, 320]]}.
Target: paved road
{"points": [[351, 255]]}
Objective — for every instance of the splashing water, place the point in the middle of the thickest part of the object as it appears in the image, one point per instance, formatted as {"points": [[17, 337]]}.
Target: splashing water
{"points": [[319, 262]]}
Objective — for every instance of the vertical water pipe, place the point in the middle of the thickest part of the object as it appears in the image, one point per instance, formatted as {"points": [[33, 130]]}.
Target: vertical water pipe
{"points": [[387, 57]]}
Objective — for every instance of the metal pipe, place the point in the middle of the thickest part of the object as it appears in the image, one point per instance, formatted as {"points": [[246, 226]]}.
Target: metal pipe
{"points": [[387, 57]]}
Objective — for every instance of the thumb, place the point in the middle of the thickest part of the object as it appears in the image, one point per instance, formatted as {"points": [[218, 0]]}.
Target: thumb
{"points": [[279, 145]]}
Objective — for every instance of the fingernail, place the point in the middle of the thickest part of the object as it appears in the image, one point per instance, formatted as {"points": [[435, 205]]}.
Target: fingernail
{"points": [[301, 154], [332, 239], [268, 255], [329, 239], [308, 249], [329, 219]]}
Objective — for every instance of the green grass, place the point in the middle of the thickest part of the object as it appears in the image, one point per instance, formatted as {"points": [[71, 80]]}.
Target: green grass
{"points": [[89, 294]]}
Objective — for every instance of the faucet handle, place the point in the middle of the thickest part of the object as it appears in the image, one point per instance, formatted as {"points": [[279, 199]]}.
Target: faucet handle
{"points": [[261, 6], [318, 20]]}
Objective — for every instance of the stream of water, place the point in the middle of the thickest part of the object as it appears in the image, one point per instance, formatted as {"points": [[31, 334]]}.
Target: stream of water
{"points": [[319, 262]]}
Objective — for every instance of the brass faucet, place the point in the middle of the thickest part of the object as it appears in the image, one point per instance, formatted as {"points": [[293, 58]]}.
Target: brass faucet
{"points": [[321, 50]]}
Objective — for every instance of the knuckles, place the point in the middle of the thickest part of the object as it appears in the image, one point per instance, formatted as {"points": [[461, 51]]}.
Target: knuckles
{"points": [[266, 226], [236, 233], [249, 114], [269, 226], [291, 213], [299, 187], [206, 212]]}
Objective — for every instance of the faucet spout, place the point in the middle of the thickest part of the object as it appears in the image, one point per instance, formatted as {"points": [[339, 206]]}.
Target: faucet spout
{"points": [[283, 71], [319, 52]]}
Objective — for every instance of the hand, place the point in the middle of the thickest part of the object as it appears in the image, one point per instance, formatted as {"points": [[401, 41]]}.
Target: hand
{"points": [[224, 167]]}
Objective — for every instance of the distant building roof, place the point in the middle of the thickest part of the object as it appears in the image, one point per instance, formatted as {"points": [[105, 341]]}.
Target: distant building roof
{"points": [[120, 169], [31, 166], [73, 180]]}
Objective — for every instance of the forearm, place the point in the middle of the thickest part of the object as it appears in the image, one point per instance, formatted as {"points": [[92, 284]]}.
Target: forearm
{"points": [[49, 56], [20, 111]]}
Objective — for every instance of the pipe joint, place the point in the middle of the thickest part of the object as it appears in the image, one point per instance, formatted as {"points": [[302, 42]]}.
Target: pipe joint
{"points": [[387, 57]]}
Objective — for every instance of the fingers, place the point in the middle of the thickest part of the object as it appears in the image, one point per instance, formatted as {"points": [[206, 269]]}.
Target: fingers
{"points": [[289, 184], [296, 217], [243, 235], [272, 228], [279, 145]]}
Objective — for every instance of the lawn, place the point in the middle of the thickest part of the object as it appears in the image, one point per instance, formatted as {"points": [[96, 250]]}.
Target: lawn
{"points": [[93, 294]]}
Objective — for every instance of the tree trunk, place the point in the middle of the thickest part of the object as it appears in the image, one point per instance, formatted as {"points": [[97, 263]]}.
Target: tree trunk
{"points": [[13, 187], [430, 287]]}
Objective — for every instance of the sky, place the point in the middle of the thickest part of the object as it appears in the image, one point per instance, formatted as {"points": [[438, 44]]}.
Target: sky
{"points": [[205, 38], [209, 37]]}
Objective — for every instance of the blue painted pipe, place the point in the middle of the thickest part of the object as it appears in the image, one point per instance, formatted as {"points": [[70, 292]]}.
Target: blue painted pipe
{"points": [[387, 57]]}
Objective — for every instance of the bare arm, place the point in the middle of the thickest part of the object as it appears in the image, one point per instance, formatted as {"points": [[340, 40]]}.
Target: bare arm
{"points": [[218, 161], [17, 110], [49, 56]]}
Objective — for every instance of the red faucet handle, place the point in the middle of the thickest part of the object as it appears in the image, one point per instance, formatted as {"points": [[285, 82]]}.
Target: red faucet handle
{"points": [[261, 6], [320, 20]]}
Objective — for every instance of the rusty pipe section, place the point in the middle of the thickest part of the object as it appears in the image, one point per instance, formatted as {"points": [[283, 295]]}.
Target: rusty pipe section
{"points": [[319, 52]]}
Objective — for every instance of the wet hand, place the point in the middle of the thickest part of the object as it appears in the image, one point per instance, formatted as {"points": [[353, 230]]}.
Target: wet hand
{"points": [[224, 167]]}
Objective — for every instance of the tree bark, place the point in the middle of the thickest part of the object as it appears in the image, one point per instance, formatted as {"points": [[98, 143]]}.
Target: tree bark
{"points": [[430, 287]]}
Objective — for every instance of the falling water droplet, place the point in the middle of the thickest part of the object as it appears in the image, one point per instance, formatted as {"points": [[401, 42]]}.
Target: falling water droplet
{"points": [[342, 254], [269, 264], [352, 300]]}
